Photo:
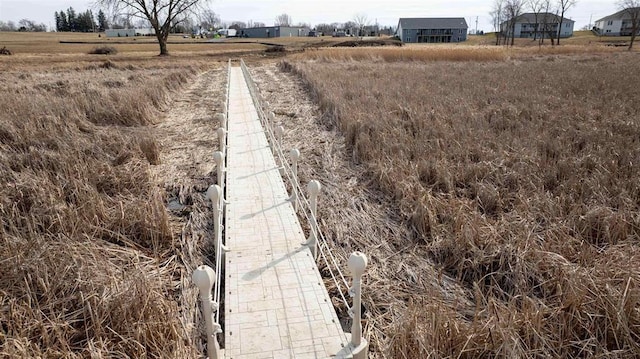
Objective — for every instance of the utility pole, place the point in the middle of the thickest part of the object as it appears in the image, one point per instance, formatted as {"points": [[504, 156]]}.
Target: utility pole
{"points": [[590, 17], [476, 25]]}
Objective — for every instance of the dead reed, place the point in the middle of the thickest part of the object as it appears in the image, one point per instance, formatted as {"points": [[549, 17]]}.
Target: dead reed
{"points": [[446, 52], [518, 180], [88, 255], [407, 53]]}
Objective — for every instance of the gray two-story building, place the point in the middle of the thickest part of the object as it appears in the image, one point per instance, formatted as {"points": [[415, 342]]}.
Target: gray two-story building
{"points": [[432, 29], [618, 24], [531, 25]]}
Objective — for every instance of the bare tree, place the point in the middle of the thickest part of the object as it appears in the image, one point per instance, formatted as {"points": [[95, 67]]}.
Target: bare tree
{"points": [[209, 19], [563, 6], [536, 7], [259, 24], [548, 17], [162, 14], [513, 10], [283, 20], [7, 26], [631, 8], [238, 25], [497, 17], [31, 26], [361, 22]]}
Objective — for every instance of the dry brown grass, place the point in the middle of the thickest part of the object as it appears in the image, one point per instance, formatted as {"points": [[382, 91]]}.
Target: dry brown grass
{"points": [[90, 266], [43, 45], [448, 52], [407, 53], [519, 181]]}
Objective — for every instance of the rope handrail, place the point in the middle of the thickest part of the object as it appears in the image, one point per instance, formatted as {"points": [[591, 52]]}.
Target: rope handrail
{"points": [[325, 251], [218, 236]]}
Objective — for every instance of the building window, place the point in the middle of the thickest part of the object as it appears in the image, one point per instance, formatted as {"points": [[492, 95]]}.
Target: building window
{"points": [[408, 39], [610, 22]]}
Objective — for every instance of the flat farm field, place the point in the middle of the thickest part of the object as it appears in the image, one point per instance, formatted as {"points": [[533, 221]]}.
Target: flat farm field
{"points": [[518, 176]]}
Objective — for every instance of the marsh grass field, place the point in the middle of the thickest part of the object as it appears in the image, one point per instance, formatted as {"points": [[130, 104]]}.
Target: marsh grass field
{"points": [[518, 178], [503, 184]]}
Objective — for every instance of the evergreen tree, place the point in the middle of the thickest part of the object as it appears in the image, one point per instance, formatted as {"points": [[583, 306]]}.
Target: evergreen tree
{"points": [[85, 22], [72, 19], [102, 21], [57, 16]]}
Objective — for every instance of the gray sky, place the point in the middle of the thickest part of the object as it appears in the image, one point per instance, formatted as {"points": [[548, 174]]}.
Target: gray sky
{"points": [[386, 12]]}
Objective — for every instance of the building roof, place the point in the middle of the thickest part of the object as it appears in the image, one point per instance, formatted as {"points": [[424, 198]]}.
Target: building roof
{"points": [[433, 23], [530, 18], [620, 15]]}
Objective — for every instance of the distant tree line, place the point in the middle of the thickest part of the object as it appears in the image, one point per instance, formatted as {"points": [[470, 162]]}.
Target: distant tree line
{"points": [[70, 20], [24, 25]]}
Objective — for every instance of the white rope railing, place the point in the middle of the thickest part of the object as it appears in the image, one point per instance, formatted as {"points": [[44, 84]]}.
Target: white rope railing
{"points": [[204, 277], [299, 201], [317, 237]]}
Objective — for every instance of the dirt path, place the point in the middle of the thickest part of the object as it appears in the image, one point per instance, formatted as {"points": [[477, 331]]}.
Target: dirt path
{"points": [[188, 139], [188, 133]]}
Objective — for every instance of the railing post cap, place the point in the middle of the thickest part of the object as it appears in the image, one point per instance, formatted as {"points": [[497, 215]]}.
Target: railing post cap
{"points": [[221, 131], [314, 187], [214, 193], [220, 116], [218, 157], [294, 153], [279, 131], [204, 277], [272, 115], [357, 263]]}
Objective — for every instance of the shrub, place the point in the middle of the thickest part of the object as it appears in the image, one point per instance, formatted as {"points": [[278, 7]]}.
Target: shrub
{"points": [[103, 50]]}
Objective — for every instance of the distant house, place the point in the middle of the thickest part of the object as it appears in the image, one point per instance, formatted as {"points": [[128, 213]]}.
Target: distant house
{"points": [[120, 32], [227, 32], [274, 31], [432, 29], [530, 25], [130, 32], [618, 24]]}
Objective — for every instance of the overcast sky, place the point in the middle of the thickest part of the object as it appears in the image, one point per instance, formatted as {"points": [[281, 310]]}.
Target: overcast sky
{"points": [[385, 12]]}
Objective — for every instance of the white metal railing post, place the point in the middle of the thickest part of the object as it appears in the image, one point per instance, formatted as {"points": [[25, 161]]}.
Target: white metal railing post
{"points": [[218, 157], [279, 135], [222, 140], [222, 119], [265, 106], [278, 155], [314, 189], [272, 121], [225, 102], [204, 278], [214, 193], [295, 156], [357, 263]]}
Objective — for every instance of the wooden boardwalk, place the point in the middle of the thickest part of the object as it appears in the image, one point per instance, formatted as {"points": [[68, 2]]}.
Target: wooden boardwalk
{"points": [[276, 305]]}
